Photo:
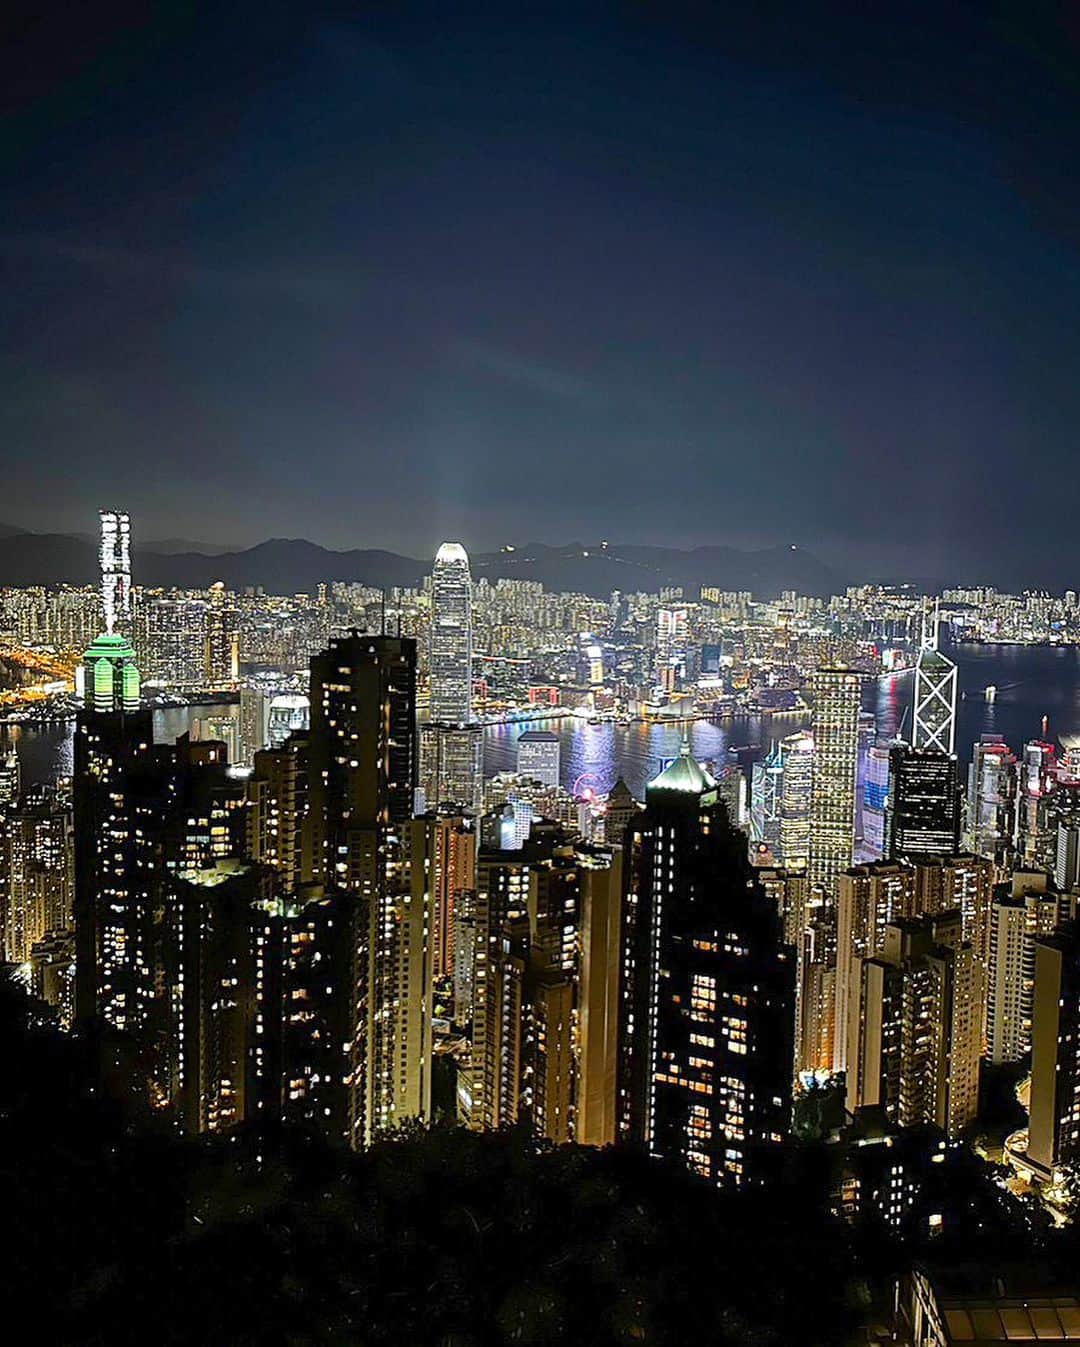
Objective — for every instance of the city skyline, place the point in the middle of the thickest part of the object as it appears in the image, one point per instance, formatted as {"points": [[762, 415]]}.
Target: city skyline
{"points": [[540, 673]]}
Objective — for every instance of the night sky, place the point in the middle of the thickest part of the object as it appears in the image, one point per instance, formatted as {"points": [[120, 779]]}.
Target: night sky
{"points": [[380, 274]]}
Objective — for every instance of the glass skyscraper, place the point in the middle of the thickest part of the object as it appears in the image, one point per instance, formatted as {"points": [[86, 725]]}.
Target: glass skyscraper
{"points": [[451, 636]]}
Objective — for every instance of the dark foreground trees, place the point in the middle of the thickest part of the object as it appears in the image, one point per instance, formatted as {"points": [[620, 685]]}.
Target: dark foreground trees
{"points": [[119, 1233]]}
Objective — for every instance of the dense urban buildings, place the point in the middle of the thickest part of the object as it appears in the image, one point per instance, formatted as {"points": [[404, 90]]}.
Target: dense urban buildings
{"points": [[317, 907]]}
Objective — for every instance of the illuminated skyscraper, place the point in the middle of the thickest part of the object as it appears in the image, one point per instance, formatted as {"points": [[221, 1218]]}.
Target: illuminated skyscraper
{"points": [[451, 636], [221, 658], [672, 637], [538, 756], [875, 794], [766, 800], [451, 747], [362, 774], [707, 1013], [836, 745], [991, 799], [935, 694], [922, 817], [451, 765], [795, 798], [115, 560]]}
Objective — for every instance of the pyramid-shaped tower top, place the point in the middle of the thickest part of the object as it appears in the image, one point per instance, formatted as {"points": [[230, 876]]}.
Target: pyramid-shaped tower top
{"points": [[684, 774]]}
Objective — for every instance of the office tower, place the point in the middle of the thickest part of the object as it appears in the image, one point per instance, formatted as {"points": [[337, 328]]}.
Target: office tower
{"points": [[451, 765], [601, 874], [922, 816], [672, 639], [875, 795], [766, 799], [172, 641], [991, 802], [731, 789], [914, 1047], [869, 897], [538, 755], [214, 959], [221, 667], [36, 873], [795, 800], [451, 743], [1054, 1110], [1022, 911], [251, 728], [115, 561], [110, 677], [289, 713], [451, 636], [1036, 784], [707, 1001], [362, 772], [832, 808], [934, 710], [622, 809], [1067, 856]]}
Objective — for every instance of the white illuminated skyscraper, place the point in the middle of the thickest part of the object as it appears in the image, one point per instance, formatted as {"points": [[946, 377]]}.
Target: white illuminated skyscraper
{"points": [[115, 558], [836, 749], [451, 636], [451, 745], [935, 693]]}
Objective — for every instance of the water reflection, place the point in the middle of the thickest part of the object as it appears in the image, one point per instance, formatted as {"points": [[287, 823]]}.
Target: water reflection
{"points": [[1031, 682]]}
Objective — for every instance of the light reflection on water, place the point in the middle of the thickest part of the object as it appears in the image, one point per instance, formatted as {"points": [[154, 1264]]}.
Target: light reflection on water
{"points": [[1031, 681]]}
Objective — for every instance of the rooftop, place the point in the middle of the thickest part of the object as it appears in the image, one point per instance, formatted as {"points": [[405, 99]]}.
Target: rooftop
{"points": [[684, 774]]}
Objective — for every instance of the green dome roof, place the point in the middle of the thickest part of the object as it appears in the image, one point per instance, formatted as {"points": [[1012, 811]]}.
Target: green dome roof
{"points": [[684, 774]]}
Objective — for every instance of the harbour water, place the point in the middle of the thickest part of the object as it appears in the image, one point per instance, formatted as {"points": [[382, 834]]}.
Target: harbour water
{"points": [[1032, 682]]}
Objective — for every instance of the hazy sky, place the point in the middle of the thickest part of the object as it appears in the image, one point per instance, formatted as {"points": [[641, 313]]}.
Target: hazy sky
{"points": [[380, 274]]}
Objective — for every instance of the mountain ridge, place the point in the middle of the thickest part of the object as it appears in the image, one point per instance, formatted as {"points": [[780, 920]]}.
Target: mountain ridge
{"points": [[295, 565]]}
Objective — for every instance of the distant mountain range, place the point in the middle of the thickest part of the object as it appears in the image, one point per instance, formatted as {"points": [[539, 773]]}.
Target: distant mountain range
{"points": [[295, 565]]}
